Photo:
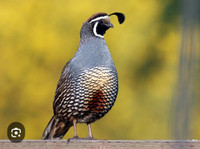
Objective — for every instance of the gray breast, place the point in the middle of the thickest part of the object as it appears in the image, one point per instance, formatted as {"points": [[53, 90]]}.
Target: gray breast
{"points": [[93, 53]]}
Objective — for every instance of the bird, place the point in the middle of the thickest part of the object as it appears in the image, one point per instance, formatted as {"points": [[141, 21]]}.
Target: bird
{"points": [[88, 85]]}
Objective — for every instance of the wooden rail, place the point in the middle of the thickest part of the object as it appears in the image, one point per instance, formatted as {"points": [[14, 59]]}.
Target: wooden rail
{"points": [[100, 144]]}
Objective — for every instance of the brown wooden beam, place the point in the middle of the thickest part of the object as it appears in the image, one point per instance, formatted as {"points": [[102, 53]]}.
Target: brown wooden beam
{"points": [[101, 144]]}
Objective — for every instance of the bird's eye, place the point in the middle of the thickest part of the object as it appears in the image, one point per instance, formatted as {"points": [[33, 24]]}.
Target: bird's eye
{"points": [[100, 21]]}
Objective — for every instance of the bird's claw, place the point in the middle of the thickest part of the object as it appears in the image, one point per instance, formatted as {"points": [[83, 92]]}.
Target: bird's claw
{"points": [[89, 138]]}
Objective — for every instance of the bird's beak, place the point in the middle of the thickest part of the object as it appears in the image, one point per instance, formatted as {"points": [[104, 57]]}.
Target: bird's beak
{"points": [[111, 25], [108, 23]]}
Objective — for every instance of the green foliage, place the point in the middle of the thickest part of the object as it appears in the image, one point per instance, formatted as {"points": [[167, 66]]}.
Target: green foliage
{"points": [[37, 38]]}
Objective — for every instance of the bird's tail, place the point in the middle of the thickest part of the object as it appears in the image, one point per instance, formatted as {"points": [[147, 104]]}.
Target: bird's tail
{"points": [[55, 129]]}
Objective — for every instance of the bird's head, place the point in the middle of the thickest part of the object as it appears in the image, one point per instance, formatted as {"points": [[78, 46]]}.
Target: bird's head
{"points": [[100, 22]]}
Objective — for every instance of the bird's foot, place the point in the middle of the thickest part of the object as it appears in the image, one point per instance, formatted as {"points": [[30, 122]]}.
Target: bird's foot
{"points": [[89, 138], [74, 138]]}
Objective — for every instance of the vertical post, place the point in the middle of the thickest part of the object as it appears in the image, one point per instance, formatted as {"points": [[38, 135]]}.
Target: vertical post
{"points": [[186, 78]]}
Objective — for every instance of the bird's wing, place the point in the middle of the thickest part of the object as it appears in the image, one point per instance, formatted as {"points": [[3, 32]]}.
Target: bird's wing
{"points": [[63, 89]]}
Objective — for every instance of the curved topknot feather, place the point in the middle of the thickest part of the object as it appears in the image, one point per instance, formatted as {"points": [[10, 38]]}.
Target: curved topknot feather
{"points": [[120, 16]]}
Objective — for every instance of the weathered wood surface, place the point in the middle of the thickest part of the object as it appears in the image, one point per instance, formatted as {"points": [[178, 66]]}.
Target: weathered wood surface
{"points": [[100, 144]]}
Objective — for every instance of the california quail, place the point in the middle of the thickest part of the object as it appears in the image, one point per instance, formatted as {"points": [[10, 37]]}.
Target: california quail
{"points": [[88, 85]]}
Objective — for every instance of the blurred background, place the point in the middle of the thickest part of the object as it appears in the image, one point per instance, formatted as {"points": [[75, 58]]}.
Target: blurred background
{"points": [[156, 53]]}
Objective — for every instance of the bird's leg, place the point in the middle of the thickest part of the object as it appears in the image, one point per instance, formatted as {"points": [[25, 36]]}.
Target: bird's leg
{"points": [[90, 136], [89, 131], [75, 131]]}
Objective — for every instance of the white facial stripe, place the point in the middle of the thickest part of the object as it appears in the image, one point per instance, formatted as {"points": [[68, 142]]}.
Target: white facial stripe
{"points": [[99, 18], [95, 30]]}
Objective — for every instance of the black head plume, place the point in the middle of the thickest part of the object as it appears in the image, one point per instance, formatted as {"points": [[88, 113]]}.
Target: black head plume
{"points": [[120, 16]]}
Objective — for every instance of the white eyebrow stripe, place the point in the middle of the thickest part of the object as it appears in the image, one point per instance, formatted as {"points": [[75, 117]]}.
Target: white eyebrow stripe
{"points": [[99, 18], [95, 30]]}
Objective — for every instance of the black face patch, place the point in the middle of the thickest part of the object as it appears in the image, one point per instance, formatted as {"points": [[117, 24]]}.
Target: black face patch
{"points": [[101, 28]]}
